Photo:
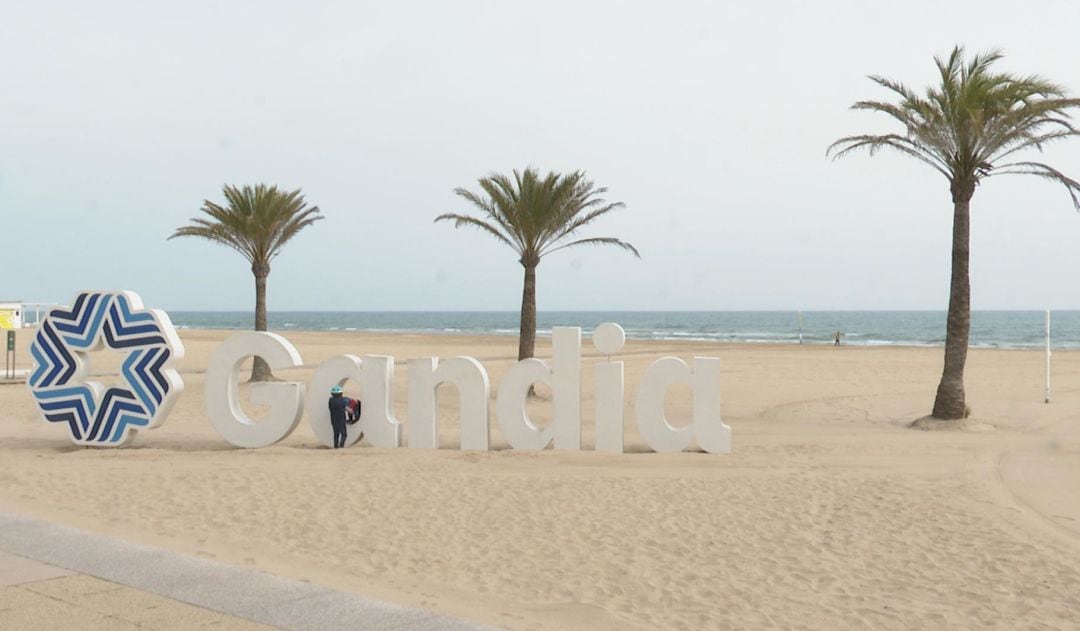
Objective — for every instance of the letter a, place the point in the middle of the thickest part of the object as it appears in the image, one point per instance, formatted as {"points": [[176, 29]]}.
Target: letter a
{"points": [[707, 426]]}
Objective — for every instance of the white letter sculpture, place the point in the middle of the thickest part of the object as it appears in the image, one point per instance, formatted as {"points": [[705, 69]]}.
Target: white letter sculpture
{"points": [[425, 375], [565, 382], [96, 416], [286, 400], [377, 417], [608, 338], [373, 374], [333, 372], [707, 426]]}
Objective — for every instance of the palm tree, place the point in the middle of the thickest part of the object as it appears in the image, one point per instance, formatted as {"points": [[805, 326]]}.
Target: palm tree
{"points": [[968, 128], [256, 222], [535, 216]]}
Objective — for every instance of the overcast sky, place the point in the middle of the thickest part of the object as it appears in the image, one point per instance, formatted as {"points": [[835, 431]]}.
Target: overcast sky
{"points": [[710, 121]]}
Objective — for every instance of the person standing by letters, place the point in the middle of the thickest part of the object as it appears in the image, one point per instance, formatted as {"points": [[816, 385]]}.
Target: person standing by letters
{"points": [[339, 410]]}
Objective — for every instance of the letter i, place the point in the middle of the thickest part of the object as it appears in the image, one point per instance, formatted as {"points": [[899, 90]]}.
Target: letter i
{"points": [[609, 339]]}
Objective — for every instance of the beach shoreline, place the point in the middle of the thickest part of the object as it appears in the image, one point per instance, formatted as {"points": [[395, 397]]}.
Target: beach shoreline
{"points": [[829, 511], [990, 329]]}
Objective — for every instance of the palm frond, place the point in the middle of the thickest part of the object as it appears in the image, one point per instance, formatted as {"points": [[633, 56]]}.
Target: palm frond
{"points": [[584, 220], [466, 220], [970, 120], [872, 144], [256, 221], [598, 241], [1044, 171], [534, 213]]}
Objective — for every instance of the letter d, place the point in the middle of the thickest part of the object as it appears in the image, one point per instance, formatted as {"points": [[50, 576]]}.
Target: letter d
{"points": [[565, 382]]}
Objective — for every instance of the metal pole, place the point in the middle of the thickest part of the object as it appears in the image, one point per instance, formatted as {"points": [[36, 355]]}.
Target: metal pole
{"points": [[9, 355], [1047, 356]]}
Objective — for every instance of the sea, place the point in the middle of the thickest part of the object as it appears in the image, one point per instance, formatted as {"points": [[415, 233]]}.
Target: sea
{"points": [[993, 329]]}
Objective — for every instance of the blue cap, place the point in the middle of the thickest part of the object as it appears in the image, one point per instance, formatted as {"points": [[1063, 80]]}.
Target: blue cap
{"points": [[335, 390]]}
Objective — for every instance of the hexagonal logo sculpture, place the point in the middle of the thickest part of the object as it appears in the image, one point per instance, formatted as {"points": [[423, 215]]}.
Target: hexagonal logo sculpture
{"points": [[93, 414]]}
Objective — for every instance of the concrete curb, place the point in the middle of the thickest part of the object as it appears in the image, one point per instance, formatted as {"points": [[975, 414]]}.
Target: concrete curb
{"points": [[240, 592]]}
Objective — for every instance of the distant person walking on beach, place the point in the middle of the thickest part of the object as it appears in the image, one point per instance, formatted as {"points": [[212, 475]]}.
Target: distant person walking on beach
{"points": [[837, 339], [339, 414]]}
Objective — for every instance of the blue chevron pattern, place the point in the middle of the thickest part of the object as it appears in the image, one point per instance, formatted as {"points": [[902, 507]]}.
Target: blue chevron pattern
{"points": [[59, 350]]}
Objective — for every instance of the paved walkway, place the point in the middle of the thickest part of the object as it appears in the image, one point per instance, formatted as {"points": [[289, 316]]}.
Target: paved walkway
{"points": [[56, 577]]}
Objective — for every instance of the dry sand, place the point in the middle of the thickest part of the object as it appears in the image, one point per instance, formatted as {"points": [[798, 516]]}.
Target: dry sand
{"points": [[830, 513]]}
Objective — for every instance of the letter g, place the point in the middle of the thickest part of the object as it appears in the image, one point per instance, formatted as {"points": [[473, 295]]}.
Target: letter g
{"points": [[286, 400]]}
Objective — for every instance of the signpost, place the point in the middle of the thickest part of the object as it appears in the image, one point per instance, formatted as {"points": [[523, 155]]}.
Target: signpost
{"points": [[9, 356], [1047, 399]]}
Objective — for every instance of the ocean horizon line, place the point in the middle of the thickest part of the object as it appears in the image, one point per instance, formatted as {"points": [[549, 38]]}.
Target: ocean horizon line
{"points": [[795, 311], [990, 328]]}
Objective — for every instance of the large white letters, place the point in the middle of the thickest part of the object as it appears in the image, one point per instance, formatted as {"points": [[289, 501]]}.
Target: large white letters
{"points": [[712, 435], [373, 375], [425, 375], [565, 382], [709, 429], [609, 339], [377, 420], [333, 372], [517, 428], [286, 400], [118, 320]]}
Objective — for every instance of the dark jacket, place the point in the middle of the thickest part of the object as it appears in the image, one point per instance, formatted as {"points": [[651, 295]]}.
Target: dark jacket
{"points": [[338, 406]]}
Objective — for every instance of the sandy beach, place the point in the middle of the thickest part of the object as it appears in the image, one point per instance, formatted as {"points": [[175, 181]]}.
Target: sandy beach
{"points": [[829, 513]]}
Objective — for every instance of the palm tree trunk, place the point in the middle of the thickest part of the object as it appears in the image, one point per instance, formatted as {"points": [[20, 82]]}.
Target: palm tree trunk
{"points": [[260, 370], [949, 403], [527, 335]]}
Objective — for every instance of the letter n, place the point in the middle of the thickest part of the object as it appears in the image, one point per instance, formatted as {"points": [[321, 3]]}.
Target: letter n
{"points": [[425, 376]]}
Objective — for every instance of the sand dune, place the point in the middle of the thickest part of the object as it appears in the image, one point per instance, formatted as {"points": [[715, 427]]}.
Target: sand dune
{"points": [[828, 514]]}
